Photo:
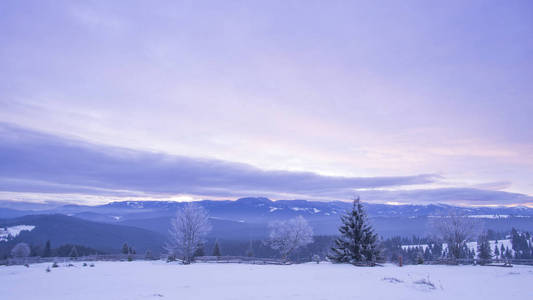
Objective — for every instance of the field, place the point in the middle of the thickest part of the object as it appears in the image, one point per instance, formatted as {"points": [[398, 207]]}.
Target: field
{"points": [[159, 280]]}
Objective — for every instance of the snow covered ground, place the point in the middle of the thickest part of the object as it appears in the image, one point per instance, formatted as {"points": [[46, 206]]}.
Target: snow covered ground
{"points": [[159, 280]]}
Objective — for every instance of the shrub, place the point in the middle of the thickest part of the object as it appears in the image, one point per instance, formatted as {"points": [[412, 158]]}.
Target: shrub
{"points": [[316, 258]]}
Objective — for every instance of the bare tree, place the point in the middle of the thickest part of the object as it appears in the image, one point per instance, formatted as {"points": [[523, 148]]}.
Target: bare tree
{"points": [[21, 251], [187, 231], [287, 236], [455, 230]]}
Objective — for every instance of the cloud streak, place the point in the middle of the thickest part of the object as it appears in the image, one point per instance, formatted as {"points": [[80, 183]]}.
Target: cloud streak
{"points": [[454, 195], [41, 163]]}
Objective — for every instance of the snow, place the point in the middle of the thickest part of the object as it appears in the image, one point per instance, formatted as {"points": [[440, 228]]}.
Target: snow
{"points": [[422, 246], [298, 208], [159, 280], [489, 216], [13, 231], [471, 245], [273, 209], [309, 210]]}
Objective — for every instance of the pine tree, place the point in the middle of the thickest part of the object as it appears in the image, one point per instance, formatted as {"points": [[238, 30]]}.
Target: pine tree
{"points": [[47, 249], [199, 251], [216, 250], [496, 251], [125, 249], [73, 252], [483, 248], [358, 242], [148, 255], [508, 253], [250, 250]]}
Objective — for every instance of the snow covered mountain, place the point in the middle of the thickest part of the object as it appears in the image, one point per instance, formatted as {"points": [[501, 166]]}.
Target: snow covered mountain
{"points": [[249, 217]]}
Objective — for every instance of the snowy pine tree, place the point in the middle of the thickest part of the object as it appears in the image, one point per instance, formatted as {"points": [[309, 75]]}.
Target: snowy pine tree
{"points": [[483, 248], [358, 242]]}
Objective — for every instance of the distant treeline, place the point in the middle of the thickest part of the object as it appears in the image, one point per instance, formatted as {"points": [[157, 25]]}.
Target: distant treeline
{"points": [[391, 248]]}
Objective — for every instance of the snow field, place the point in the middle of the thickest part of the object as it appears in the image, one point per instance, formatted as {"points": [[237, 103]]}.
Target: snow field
{"points": [[159, 280]]}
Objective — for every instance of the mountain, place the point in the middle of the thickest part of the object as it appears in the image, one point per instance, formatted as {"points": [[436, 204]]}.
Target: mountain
{"points": [[61, 229], [248, 218]]}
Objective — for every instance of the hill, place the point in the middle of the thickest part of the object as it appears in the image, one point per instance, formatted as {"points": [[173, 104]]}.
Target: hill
{"points": [[61, 229]]}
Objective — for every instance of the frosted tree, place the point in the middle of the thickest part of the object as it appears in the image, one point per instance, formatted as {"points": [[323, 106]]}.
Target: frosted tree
{"points": [[21, 250], [358, 244], [287, 236], [455, 231], [187, 231]]}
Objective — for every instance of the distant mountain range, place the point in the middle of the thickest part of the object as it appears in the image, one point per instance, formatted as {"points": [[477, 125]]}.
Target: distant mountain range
{"points": [[145, 223]]}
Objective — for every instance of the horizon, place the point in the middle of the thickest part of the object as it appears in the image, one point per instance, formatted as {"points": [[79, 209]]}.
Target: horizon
{"points": [[13, 204], [415, 104]]}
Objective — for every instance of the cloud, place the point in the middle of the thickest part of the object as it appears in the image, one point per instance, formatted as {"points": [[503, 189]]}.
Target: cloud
{"points": [[454, 195], [41, 163]]}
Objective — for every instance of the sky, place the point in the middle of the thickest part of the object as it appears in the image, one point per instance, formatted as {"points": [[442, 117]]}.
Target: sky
{"points": [[396, 101]]}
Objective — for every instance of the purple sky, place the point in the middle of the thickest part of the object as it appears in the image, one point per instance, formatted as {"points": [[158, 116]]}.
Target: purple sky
{"points": [[398, 101]]}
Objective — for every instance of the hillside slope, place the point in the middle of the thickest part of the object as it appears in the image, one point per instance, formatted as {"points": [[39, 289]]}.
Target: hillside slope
{"points": [[61, 229]]}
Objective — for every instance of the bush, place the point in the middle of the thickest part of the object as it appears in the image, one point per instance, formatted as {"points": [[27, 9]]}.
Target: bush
{"points": [[316, 258], [48, 270], [55, 265]]}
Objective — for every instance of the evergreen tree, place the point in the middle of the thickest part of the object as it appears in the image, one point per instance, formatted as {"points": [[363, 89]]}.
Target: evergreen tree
{"points": [[358, 242], [216, 250], [496, 251], [508, 253], [148, 255], [502, 251], [125, 249], [250, 251], [73, 252], [199, 251], [47, 249], [483, 248]]}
